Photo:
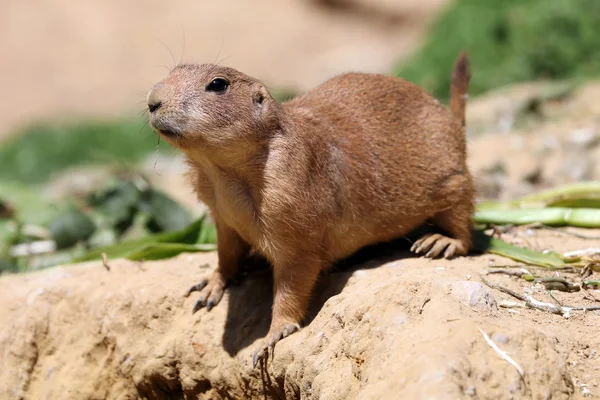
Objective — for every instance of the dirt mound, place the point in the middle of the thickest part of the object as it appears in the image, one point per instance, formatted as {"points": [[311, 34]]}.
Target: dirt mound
{"points": [[394, 327]]}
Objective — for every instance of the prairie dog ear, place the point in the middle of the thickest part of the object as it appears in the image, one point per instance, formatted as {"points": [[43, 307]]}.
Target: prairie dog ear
{"points": [[260, 97]]}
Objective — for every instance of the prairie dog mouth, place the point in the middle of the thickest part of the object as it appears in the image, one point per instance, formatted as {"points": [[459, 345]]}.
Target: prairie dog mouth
{"points": [[168, 132], [164, 128]]}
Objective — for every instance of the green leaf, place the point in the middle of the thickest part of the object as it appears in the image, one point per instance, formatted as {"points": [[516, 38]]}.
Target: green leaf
{"points": [[575, 195], [30, 206], [208, 234], [71, 227], [160, 251], [118, 204], [7, 265], [485, 243], [165, 213], [188, 236], [579, 217], [593, 284]]}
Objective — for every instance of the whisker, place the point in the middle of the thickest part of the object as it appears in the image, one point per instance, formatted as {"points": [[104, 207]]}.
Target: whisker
{"points": [[144, 126], [183, 47], [156, 155], [170, 52], [220, 48], [226, 58]]}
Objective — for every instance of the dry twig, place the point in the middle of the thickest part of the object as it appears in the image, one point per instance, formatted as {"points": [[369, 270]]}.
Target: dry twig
{"points": [[503, 289], [557, 283], [518, 274], [105, 262], [502, 353], [592, 251], [538, 305]]}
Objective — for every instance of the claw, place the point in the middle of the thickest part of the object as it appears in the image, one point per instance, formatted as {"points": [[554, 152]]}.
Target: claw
{"points": [[450, 251], [436, 245], [210, 304], [258, 356], [198, 287], [211, 292], [199, 304], [268, 346], [436, 249]]}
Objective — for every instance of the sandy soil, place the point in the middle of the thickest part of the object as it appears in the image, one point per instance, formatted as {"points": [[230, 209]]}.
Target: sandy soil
{"points": [[393, 327], [64, 59]]}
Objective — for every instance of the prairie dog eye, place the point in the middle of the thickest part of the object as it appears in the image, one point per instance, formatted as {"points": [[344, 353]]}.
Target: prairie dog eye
{"points": [[217, 85]]}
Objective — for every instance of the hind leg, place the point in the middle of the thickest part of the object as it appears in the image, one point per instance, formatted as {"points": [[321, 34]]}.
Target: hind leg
{"points": [[456, 222]]}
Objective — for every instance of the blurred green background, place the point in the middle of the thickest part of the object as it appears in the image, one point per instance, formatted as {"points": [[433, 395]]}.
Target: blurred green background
{"points": [[509, 41]]}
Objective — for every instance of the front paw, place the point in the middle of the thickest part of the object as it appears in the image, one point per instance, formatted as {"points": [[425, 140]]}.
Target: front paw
{"points": [[434, 244], [211, 291], [268, 343]]}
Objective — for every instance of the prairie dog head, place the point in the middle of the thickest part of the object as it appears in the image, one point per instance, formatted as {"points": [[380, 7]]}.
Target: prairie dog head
{"points": [[211, 107]]}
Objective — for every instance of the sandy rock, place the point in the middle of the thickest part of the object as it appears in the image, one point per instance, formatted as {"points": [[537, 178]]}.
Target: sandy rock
{"points": [[475, 295], [382, 330]]}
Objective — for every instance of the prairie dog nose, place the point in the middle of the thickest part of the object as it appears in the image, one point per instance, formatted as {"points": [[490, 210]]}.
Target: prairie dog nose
{"points": [[155, 97]]}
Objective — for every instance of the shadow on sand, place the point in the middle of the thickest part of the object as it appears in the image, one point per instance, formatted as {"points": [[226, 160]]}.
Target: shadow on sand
{"points": [[250, 302]]}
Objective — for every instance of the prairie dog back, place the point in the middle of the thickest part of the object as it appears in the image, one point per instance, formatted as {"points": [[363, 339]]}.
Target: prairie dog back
{"points": [[395, 149]]}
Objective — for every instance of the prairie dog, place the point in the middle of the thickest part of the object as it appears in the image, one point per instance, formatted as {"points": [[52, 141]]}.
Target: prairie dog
{"points": [[359, 160]]}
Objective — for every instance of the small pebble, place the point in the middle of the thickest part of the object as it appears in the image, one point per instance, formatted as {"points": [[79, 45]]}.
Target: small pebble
{"points": [[585, 137], [551, 143], [500, 338]]}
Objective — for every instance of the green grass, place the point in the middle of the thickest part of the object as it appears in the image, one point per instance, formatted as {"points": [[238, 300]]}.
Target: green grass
{"points": [[42, 150], [509, 41]]}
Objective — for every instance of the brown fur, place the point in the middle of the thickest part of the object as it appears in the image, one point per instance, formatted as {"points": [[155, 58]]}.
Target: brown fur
{"points": [[359, 160]]}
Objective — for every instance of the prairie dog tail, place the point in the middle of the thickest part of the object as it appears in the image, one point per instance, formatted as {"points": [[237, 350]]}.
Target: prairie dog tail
{"points": [[460, 86]]}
